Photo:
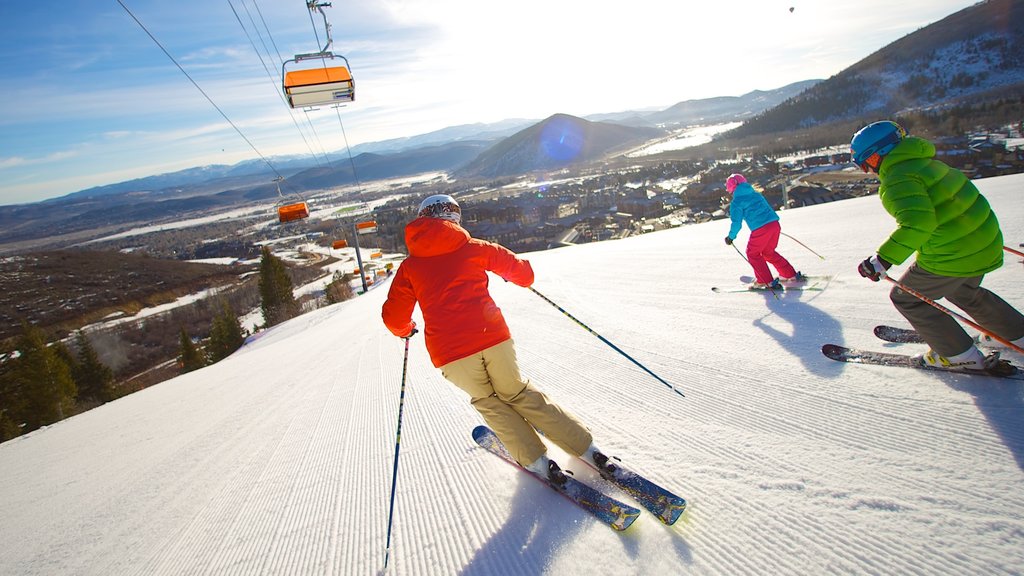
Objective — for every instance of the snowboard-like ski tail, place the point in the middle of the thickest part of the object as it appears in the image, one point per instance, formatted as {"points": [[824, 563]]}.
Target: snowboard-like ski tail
{"points": [[909, 336], [606, 509], [899, 335], [1003, 369]]}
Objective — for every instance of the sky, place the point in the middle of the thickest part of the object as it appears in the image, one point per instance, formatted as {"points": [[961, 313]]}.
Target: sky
{"points": [[90, 99], [279, 459]]}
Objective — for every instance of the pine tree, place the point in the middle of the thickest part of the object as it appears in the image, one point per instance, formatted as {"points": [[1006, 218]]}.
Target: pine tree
{"points": [[94, 379], [12, 404], [276, 290], [43, 379], [225, 335], [189, 357]]}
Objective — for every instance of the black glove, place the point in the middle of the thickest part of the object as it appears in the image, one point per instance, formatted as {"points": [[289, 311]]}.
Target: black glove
{"points": [[728, 241], [872, 268]]}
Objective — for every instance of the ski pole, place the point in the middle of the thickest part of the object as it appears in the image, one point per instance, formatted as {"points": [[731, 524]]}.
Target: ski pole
{"points": [[1012, 251], [748, 262], [959, 317], [605, 340], [740, 253], [802, 244], [398, 441]]}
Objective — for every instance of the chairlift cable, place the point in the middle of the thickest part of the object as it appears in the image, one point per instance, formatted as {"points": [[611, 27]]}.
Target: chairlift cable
{"points": [[256, 4], [201, 91], [348, 149], [280, 60], [316, 135], [272, 77]]}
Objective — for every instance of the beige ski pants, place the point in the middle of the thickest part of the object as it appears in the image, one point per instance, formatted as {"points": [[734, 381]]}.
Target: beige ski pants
{"points": [[512, 407]]}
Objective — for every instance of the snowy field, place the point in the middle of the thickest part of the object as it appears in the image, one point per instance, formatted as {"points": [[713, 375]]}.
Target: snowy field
{"points": [[278, 460]]}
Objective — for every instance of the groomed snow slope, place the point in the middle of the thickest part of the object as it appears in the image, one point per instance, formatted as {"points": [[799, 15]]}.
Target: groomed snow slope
{"points": [[278, 460]]}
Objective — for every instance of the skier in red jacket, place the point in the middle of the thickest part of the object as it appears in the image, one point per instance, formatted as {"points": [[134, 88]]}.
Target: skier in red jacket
{"points": [[467, 338]]}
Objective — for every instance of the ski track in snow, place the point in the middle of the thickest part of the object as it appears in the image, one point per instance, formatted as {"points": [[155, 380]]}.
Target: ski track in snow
{"points": [[279, 459]]}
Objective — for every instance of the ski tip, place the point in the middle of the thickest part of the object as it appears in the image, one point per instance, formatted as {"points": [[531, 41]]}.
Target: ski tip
{"points": [[832, 350], [481, 431]]}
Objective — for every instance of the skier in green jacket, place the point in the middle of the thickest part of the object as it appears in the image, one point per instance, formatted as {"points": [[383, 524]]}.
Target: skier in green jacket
{"points": [[941, 216]]}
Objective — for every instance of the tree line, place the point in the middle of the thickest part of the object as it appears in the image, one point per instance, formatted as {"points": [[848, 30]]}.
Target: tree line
{"points": [[44, 380]]}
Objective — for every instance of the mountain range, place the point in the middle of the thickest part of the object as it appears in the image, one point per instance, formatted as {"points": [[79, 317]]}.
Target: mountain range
{"points": [[972, 55]]}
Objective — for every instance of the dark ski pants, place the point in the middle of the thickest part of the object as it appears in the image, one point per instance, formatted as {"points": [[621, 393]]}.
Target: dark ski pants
{"points": [[940, 330], [512, 407]]}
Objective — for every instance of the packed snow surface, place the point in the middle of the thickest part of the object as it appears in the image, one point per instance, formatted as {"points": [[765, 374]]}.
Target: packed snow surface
{"points": [[279, 459]]}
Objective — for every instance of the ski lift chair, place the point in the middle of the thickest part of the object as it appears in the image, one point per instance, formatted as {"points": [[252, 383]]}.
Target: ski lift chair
{"points": [[292, 212], [318, 85]]}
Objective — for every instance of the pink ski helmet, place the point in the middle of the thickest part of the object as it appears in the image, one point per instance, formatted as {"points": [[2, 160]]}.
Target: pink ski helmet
{"points": [[732, 181]]}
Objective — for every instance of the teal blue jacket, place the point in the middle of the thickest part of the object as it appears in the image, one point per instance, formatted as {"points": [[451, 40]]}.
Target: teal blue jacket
{"points": [[749, 206]]}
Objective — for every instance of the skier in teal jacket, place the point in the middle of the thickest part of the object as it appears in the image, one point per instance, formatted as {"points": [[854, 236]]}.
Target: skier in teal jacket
{"points": [[751, 207], [940, 216]]}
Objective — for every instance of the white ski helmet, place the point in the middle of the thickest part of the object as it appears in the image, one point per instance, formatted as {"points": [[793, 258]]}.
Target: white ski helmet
{"points": [[441, 206]]}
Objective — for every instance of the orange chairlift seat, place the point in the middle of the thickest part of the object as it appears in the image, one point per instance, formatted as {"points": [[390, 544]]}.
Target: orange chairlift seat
{"points": [[338, 244], [319, 85], [292, 212]]}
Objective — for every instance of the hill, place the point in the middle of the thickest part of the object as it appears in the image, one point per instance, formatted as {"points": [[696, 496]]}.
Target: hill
{"points": [[279, 459], [974, 55], [65, 290], [559, 141]]}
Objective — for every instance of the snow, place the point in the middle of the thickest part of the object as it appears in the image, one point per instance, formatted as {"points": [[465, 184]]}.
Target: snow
{"points": [[684, 138], [278, 460]]}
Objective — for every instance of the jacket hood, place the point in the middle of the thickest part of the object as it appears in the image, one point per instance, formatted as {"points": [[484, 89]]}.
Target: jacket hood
{"points": [[909, 148], [743, 188], [433, 236]]}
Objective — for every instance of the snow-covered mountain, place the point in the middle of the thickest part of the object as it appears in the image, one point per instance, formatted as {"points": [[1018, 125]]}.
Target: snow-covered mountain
{"points": [[972, 56], [278, 460]]}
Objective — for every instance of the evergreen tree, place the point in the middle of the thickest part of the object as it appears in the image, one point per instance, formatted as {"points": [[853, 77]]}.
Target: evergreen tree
{"points": [[94, 379], [12, 405], [225, 335], [189, 356], [276, 290], [43, 380]]}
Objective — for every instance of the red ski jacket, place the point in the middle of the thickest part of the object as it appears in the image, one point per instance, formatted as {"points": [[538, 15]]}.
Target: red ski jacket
{"points": [[446, 273]]}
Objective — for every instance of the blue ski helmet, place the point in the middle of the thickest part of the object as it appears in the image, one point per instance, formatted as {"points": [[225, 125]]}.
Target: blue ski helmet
{"points": [[872, 142]]}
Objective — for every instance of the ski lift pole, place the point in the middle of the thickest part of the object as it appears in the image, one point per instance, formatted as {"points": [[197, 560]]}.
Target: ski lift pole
{"points": [[359, 257], [398, 441], [959, 317], [802, 244], [605, 340]]}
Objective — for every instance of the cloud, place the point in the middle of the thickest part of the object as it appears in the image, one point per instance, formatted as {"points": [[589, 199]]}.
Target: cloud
{"points": [[12, 162]]}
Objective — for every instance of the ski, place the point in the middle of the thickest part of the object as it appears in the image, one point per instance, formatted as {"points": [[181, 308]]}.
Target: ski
{"points": [[784, 288], [667, 506], [898, 335], [1005, 369], [608, 510], [803, 279], [909, 336]]}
